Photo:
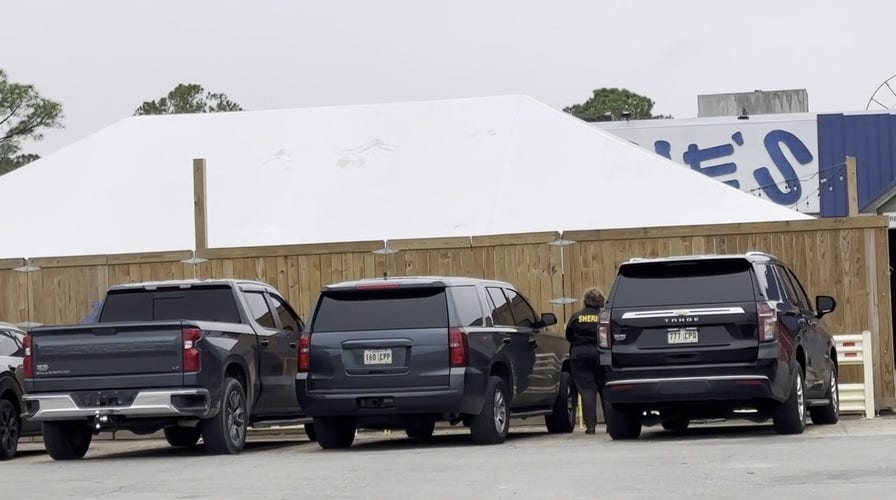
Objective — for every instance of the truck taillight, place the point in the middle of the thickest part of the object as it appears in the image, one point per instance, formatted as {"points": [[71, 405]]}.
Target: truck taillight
{"points": [[457, 347], [767, 325], [604, 335], [305, 353], [28, 362], [192, 356]]}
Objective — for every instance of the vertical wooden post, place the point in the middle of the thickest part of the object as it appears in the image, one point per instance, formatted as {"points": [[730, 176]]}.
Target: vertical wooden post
{"points": [[852, 187], [200, 218]]}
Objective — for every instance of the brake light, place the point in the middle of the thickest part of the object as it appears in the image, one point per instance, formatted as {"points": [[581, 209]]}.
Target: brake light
{"points": [[767, 326], [304, 353], [457, 347], [192, 356], [604, 334], [28, 362], [376, 286]]}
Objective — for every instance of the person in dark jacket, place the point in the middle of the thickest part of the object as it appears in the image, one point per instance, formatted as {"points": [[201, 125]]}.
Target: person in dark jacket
{"points": [[581, 332]]}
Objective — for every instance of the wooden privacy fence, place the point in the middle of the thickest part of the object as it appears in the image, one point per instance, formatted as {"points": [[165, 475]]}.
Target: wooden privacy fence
{"points": [[845, 257]]}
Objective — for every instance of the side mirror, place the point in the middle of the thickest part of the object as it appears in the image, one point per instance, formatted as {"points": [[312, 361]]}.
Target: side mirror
{"points": [[824, 304], [548, 319]]}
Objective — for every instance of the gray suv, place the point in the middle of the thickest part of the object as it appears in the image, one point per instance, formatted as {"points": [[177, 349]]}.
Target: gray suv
{"points": [[403, 353]]}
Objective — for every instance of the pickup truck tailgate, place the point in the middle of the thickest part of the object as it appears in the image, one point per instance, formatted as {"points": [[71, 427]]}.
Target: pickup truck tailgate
{"points": [[100, 356]]}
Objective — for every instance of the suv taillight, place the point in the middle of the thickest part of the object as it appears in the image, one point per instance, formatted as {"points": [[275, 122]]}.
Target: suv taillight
{"points": [[604, 335], [192, 356], [767, 327], [304, 353], [28, 362], [457, 347]]}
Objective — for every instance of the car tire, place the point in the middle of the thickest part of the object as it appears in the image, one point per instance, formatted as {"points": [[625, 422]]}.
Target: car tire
{"points": [[562, 419], [10, 429], [421, 429], [334, 433], [225, 433], [66, 440], [182, 436], [492, 425], [789, 416], [310, 432], [828, 414], [622, 423]]}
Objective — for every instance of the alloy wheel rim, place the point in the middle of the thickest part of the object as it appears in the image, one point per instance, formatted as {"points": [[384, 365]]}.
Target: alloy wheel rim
{"points": [[800, 399], [9, 428], [500, 411], [236, 418]]}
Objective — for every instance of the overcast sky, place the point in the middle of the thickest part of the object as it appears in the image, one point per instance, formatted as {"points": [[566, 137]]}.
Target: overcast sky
{"points": [[101, 59]]}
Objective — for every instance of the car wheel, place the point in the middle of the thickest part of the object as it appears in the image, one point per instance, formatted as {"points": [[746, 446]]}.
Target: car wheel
{"points": [[830, 413], [182, 436], [309, 431], [421, 429], [492, 425], [334, 433], [66, 440], [10, 429], [790, 416], [622, 423], [563, 419], [677, 424], [225, 433]]}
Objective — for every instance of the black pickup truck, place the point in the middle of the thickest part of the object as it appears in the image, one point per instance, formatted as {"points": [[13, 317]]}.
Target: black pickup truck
{"points": [[403, 353], [195, 358]]}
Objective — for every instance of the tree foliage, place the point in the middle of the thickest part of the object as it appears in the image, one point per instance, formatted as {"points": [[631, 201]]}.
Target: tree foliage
{"points": [[188, 98], [609, 104], [24, 115]]}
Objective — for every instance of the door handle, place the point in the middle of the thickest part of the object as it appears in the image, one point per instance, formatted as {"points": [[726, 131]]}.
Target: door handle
{"points": [[506, 340], [292, 345], [264, 342]]}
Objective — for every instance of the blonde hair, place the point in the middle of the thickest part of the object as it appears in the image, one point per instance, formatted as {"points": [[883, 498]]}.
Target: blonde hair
{"points": [[594, 297]]}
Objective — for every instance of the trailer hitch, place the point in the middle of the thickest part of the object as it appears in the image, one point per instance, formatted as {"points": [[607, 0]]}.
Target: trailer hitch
{"points": [[99, 420]]}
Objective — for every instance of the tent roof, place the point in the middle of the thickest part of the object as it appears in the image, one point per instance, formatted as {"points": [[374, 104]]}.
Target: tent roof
{"points": [[465, 167]]}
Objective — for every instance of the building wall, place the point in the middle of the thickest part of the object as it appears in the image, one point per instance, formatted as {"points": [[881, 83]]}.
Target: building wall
{"points": [[871, 139]]}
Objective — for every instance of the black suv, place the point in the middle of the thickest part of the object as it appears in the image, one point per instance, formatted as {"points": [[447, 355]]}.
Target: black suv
{"points": [[403, 353], [731, 336]]}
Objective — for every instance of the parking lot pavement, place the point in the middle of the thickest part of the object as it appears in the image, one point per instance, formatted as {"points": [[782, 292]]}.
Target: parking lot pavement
{"points": [[851, 459]]}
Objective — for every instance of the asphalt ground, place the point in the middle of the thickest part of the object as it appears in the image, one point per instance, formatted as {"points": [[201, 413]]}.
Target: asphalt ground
{"points": [[854, 458]]}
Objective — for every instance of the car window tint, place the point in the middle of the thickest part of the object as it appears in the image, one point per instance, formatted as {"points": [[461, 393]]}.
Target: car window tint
{"points": [[8, 346], [202, 303], [794, 292], [258, 308], [289, 320], [767, 282], [388, 309], [501, 312], [684, 282], [467, 305], [792, 295], [523, 315], [800, 291]]}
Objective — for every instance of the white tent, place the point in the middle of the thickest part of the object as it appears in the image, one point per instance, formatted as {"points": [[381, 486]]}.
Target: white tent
{"points": [[465, 167]]}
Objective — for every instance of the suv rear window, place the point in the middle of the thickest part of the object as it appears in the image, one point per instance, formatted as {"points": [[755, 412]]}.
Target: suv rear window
{"points": [[197, 303], [393, 309], [684, 282]]}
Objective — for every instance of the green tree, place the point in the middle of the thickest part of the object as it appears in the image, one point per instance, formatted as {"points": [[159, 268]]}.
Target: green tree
{"points": [[24, 114], [188, 98], [609, 104]]}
